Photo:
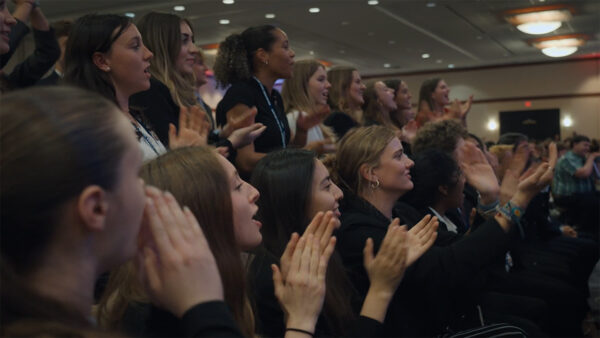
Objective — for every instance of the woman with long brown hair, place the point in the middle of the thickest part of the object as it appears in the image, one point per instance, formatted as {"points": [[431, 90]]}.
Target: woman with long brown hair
{"points": [[225, 206]]}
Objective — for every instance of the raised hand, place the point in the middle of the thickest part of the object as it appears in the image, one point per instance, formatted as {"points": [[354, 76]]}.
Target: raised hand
{"points": [[409, 131], [301, 291], [479, 172], [193, 128], [387, 268], [421, 237], [244, 136], [174, 261], [306, 121], [239, 116], [321, 227], [460, 110]]}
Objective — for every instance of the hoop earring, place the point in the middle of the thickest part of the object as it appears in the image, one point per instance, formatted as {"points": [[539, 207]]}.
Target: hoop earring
{"points": [[375, 185], [266, 62]]}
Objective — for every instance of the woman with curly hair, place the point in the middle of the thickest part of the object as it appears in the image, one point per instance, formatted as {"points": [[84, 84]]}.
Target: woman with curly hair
{"points": [[250, 63]]}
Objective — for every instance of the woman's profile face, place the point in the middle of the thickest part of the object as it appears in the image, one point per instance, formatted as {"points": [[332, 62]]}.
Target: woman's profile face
{"points": [[385, 96], [355, 91], [280, 57], [128, 63], [403, 96], [126, 200], [393, 171], [441, 93], [325, 195], [318, 87], [186, 58], [6, 21], [243, 202]]}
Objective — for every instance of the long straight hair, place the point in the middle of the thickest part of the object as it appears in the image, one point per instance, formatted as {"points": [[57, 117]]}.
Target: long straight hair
{"points": [[284, 180], [90, 34], [162, 35], [196, 178]]}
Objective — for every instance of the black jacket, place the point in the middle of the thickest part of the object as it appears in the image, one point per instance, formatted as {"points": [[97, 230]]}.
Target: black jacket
{"points": [[425, 302]]}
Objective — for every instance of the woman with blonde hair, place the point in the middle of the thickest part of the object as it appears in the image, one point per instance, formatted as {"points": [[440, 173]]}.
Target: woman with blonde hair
{"points": [[305, 97], [171, 40], [374, 173], [345, 99]]}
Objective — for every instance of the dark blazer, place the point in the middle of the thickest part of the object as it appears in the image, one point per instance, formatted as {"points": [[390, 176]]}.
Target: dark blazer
{"points": [[424, 303]]}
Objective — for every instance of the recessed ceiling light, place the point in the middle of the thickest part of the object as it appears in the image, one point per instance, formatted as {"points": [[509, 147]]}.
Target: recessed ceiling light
{"points": [[270, 16], [345, 23], [229, 2], [312, 52], [314, 10], [431, 4], [370, 33], [438, 61], [224, 22], [373, 2], [179, 8], [557, 52], [130, 15], [425, 56], [451, 65], [342, 51], [391, 42], [386, 65], [537, 28], [567, 122]]}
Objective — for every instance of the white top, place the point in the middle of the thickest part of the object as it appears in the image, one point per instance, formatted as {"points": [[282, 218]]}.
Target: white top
{"points": [[449, 225], [151, 146], [313, 134]]}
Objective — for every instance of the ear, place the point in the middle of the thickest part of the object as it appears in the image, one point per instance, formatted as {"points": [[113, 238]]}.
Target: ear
{"points": [[262, 55], [92, 207], [366, 172], [101, 61], [443, 190]]}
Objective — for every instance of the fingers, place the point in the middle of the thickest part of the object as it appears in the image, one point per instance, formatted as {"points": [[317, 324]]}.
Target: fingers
{"points": [[315, 257], [325, 256], [157, 228], [277, 280], [297, 256], [416, 230], [183, 116], [151, 274], [172, 132], [306, 254], [313, 225], [552, 154]]}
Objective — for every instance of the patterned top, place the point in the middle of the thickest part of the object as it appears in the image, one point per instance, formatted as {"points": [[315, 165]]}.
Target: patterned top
{"points": [[565, 183]]}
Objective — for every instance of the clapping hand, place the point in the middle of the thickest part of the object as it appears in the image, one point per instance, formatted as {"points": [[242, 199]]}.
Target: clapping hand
{"points": [[479, 172], [193, 128]]}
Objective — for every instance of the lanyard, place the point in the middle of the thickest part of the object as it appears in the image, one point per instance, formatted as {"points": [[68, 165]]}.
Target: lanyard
{"points": [[140, 133], [279, 124]]}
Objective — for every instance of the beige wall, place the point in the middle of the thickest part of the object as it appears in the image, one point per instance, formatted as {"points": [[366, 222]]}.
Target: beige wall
{"points": [[562, 78]]}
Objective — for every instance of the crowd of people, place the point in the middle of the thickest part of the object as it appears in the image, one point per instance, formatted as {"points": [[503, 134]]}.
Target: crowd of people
{"points": [[331, 208]]}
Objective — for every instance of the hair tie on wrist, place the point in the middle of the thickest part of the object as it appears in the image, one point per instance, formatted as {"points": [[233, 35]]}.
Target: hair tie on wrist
{"points": [[301, 331]]}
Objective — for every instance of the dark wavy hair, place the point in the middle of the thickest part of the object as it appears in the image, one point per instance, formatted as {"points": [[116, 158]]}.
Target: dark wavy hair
{"points": [[284, 180], [90, 34], [235, 59], [433, 168]]}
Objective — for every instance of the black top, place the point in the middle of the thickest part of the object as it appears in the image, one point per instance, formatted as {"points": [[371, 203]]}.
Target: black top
{"points": [[209, 319], [340, 123], [426, 303], [250, 93], [158, 107]]}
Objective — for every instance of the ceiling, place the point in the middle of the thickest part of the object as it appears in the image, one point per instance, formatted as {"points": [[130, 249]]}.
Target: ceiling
{"points": [[390, 37]]}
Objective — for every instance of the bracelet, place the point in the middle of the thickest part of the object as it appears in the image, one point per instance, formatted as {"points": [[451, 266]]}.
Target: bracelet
{"points": [[512, 213], [301, 331]]}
